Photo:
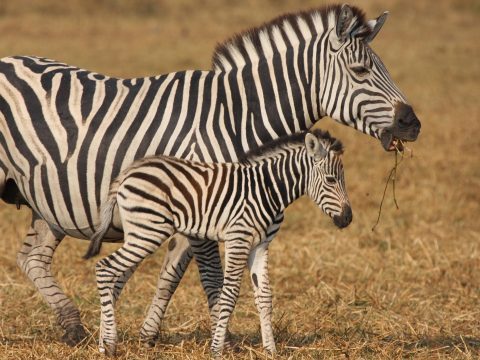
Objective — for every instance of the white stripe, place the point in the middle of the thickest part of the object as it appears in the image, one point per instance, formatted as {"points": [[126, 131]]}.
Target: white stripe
{"points": [[292, 37], [280, 44], [267, 48], [212, 136], [307, 36], [183, 113]]}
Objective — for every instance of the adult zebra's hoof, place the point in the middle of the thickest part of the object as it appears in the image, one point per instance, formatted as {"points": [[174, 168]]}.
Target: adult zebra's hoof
{"points": [[74, 335]]}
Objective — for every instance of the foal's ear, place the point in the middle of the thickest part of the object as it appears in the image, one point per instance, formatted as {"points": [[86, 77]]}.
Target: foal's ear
{"points": [[314, 147], [343, 22], [376, 25]]}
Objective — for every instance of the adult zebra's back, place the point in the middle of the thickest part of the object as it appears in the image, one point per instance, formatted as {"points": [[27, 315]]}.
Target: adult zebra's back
{"points": [[66, 132]]}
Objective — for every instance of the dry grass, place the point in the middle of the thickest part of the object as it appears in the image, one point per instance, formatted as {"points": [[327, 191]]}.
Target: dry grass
{"points": [[409, 289]]}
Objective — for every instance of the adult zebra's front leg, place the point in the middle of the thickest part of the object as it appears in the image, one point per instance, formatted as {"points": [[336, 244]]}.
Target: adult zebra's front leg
{"points": [[35, 259]]}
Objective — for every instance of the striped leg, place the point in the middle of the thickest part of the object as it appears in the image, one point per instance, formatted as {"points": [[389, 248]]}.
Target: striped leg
{"points": [[258, 266], [176, 261], [236, 256], [207, 257], [35, 258], [109, 270], [121, 281]]}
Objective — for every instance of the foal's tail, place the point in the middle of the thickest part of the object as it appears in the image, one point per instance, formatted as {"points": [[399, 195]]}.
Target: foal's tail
{"points": [[106, 216]]}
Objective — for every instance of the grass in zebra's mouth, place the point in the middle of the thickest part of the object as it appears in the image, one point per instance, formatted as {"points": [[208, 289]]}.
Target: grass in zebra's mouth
{"points": [[399, 147], [396, 145]]}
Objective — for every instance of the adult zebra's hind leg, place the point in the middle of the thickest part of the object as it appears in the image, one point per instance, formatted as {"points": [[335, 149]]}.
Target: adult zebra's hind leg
{"points": [[35, 259], [207, 257]]}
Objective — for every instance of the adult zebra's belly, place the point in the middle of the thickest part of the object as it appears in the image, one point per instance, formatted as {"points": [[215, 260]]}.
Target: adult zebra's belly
{"points": [[114, 233], [56, 195]]}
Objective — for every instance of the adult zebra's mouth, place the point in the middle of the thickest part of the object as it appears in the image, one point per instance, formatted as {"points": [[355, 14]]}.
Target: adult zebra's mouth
{"points": [[396, 144], [405, 127], [390, 142]]}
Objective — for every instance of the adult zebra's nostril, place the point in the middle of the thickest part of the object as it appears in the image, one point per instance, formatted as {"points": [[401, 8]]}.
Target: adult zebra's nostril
{"points": [[405, 117]]}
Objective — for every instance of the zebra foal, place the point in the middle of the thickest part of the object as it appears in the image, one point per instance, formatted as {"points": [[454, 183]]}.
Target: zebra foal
{"points": [[238, 203]]}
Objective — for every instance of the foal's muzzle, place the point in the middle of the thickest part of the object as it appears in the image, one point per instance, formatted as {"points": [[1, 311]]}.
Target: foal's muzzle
{"points": [[345, 217]]}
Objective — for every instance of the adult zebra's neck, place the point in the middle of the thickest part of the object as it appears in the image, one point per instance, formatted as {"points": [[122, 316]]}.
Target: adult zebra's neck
{"points": [[280, 66], [278, 92]]}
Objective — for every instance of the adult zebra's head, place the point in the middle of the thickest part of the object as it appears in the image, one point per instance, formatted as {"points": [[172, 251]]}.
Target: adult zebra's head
{"points": [[326, 182], [359, 91], [299, 67]]}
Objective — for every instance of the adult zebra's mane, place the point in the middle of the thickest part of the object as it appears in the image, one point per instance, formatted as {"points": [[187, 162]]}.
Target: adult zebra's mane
{"points": [[234, 52], [296, 139]]}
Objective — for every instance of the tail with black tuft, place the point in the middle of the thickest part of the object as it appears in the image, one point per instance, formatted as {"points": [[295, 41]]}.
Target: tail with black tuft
{"points": [[106, 217]]}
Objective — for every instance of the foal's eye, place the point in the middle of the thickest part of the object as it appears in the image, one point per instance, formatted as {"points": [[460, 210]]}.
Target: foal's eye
{"points": [[330, 180], [360, 70]]}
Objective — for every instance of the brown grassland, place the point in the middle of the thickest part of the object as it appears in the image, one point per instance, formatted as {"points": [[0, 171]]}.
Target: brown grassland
{"points": [[409, 289]]}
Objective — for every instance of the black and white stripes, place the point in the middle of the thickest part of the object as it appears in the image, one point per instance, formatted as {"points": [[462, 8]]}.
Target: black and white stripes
{"points": [[65, 133], [238, 203]]}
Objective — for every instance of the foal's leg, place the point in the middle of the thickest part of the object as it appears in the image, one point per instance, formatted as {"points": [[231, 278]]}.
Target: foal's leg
{"points": [[136, 247], [236, 255], [258, 266], [258, 263], [35, 259], [176, 261]]}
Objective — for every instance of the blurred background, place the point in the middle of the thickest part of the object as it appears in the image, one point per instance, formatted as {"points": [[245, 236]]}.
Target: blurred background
{"points": [[409, 288]]}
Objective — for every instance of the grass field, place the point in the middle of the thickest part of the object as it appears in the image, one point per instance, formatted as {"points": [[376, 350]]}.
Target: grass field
{"points": [[409, 289]]}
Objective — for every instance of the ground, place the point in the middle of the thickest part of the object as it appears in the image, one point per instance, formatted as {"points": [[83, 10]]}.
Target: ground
{"points": [[408, 289]]}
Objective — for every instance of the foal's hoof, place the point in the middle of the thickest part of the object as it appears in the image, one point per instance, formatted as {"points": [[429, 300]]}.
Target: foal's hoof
{"points": [[148, 339], [217, 355], [74, 335], [149, 342], [108, 349]]}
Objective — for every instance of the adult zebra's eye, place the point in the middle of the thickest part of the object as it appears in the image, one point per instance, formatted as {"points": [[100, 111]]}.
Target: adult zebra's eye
{"points": [[330, 180], [360, 70]]}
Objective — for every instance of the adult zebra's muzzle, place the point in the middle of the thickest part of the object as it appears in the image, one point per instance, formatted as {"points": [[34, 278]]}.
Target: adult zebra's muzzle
{"points": [[345, 217], [406, 127]]}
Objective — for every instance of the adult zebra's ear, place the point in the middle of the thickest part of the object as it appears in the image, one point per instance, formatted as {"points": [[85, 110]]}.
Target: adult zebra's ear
{"points": [[376, 25], [314, 147], [343, 22]]}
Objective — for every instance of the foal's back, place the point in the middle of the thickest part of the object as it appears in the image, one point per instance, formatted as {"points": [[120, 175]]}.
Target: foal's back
{"points": [[188, 195]]}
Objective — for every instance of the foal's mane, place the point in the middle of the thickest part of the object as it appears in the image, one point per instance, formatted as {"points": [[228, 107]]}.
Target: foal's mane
{"points": [[233, 53], [296, 139]]}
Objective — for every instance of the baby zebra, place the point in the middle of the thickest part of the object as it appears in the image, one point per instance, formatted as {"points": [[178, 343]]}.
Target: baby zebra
{"points": [[237, 203]]}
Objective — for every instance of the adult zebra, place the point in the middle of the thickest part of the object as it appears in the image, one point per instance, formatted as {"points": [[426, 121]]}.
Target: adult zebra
{"points": [[66, 132]]}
